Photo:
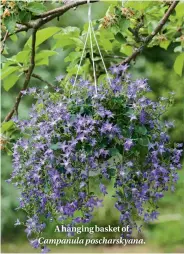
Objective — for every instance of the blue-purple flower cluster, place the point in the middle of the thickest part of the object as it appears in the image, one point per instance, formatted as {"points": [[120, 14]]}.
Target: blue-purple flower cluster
{"points": [[70, 143]]}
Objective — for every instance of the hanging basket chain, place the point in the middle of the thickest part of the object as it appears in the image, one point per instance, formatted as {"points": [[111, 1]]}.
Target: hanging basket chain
{"points": [[82, 56], [91, 34]]}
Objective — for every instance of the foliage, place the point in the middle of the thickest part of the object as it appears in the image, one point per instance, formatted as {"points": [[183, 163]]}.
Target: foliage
{"points": [[171, 219], [120, 32], [14, 12], [86, 133]]}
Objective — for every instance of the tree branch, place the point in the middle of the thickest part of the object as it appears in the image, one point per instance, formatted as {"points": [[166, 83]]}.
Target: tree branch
{"points": [[64, 8], [36, 24], [3, 42], [27, 79], [21, 28], [148, 39], [50, 15], [44, 18]]}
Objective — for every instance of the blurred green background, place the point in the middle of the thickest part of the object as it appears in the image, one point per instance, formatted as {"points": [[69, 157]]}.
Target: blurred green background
{"points": [[156, 64]]}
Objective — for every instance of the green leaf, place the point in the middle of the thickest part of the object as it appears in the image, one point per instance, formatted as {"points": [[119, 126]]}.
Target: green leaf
{"points": [[119, 37], [54, 146], [141, 130], [68, 32], [67, 37], [138, 5], [24, 16], [10, 23], [114, 29], [7, 125], [126, 49], [67, 42], [143, 141], [1, 10], [73, 56], [45, 53], [42, 35], [179, 64], [114, 151], [44, 61], [10, 81], [8, 70], [111, 172], [111, 7], [42, 58], [106, 44], [165, 44], [64, 42], [105, 39], [13, 37], [124, 25], [20, 5], [180, 10], [22, 56], [102, 78], [36, 7], [73, 31], [178, 49]]}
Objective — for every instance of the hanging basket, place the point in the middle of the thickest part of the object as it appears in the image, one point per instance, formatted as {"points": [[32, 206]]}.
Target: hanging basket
{"points": [[73, 146]]}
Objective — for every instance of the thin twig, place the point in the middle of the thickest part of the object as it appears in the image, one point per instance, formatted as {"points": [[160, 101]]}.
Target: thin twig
{"points": [[27, 79], [3, 42], [20, 28], [148, 39], [41, 79]]}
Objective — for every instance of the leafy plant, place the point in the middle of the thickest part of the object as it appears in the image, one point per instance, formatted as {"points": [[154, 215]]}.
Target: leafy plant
{"points": [[81, 136], [131, 121]]}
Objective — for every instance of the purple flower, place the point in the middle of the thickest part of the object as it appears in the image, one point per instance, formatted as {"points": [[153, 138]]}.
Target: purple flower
{"points": [[104, 152], [143, 117], [103, 189], [35, 243], [114, 70], [82, 184], [154, 215], [65, 144], [81, 137], [124, 67], [158, 195], [24, 92], [32, 90], [59, 78], [132, 117], [107, 127], [128, 144], [45, 250]]}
